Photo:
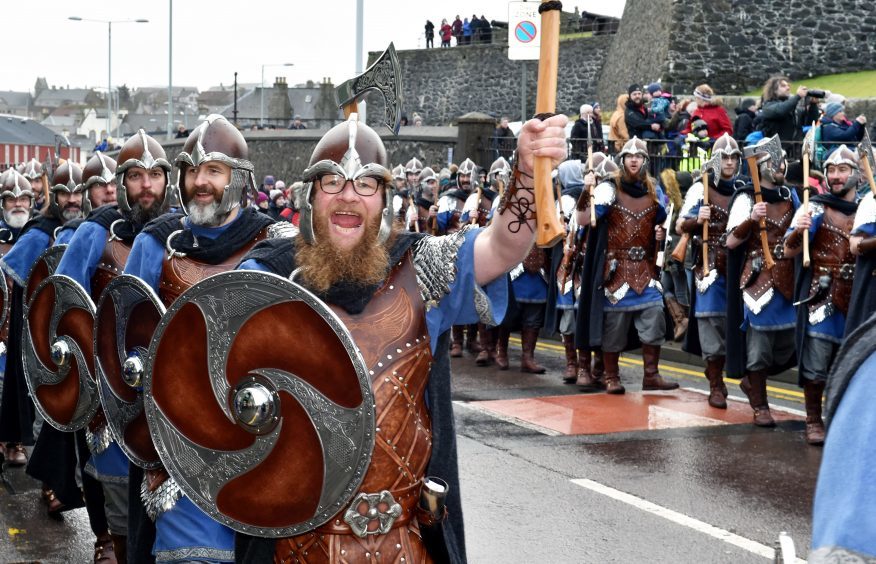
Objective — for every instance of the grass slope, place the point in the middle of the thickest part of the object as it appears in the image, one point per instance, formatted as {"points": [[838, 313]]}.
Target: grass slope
{"points": [[851, 85]]}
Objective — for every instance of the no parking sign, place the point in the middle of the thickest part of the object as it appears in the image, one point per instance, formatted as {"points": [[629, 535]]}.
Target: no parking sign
{"points": [[524, 31]]}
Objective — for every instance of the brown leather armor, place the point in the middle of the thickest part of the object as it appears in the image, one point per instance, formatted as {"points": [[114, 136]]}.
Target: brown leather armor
{"points": [[717, 228], [392, 335], [832, 256], [630, 223], [180, 273], [111, 264], [781, 276], [535, 261]]}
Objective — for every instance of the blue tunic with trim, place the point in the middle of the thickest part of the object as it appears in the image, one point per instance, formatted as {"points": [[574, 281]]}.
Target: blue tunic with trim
{"points": [[183, 533]]}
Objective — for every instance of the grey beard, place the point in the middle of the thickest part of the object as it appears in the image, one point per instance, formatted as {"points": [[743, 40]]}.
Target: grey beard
{"points": [[206, 215], [69, 214], [15, 220], [141, 216]]}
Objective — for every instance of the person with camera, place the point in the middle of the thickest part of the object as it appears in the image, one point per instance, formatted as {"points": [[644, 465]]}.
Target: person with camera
{"points": [[780, 115]]}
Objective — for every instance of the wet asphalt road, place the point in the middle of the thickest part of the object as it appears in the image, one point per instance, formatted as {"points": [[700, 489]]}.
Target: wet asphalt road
{"points": [[693, 494]]}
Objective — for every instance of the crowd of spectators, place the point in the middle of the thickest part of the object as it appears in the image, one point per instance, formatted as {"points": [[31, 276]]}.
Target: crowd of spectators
{"points": [[466, 31]]}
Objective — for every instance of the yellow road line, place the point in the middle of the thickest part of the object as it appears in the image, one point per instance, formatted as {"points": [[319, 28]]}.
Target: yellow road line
{"points": [[781, 393]]}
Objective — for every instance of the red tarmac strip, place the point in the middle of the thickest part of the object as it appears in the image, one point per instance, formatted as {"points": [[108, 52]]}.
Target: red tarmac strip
{"points": [[599, 414]]}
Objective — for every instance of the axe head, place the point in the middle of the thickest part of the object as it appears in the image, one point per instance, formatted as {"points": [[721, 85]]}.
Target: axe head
{"points": [[865, 147], [767, 149], [713, 167], [383, 76], [809, 144]]}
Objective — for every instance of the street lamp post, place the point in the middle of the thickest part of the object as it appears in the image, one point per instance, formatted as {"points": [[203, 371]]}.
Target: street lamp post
{"points": [[109, 37], [262, 91]]}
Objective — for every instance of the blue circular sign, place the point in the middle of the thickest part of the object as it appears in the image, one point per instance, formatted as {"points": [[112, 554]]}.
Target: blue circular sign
{"points": [[525, 31]]}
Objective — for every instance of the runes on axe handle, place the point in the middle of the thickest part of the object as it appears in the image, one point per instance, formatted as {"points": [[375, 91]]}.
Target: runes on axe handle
{"points": [[383, 76]]}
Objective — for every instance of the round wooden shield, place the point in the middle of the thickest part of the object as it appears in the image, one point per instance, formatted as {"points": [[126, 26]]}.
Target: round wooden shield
{"points": [[128, 312], [57, 353], [259, 403]]}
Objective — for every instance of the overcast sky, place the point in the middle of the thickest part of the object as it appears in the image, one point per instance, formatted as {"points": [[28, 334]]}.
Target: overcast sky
{"points": [[213, 39]]}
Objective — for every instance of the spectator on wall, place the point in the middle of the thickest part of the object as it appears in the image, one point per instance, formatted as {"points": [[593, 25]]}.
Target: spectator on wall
{"points": [[446, 33], [430, 34], [457, 30]]}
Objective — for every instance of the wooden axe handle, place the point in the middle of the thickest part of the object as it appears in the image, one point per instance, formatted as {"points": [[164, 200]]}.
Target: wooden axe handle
{"points": [[764, 242], [806, 258], [705, 226], [549, 230], [868, 170]]}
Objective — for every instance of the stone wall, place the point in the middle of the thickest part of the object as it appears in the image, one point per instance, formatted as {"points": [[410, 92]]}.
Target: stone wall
{"points": [[443, 84], [285, 154], [735, 45]]}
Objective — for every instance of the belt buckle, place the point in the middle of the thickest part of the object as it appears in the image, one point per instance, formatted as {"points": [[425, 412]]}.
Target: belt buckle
{"points": [[847, 271], [636, 253], [779, 251], [381, 509]]}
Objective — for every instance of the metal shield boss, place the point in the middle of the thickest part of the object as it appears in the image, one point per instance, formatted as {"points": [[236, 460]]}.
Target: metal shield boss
{"points": [[128, 312], [57, 352], [259, 403]]}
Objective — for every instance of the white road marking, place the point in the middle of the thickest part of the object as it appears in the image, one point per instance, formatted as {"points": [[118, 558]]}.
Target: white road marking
{"points": [[681, 519]]}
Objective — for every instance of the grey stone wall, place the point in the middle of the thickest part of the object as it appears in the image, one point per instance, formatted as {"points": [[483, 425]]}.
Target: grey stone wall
{"points": [[735, 45], [285, 154], [443, 84]]}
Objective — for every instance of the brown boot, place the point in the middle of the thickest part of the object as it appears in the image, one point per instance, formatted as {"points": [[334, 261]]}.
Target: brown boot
{"points": [[103, 550], [678, 313], [598, 370], [471, 338], [612, 373], [715, 375], [753, 385], [571, 373], [652, 379], [585, 376], [456, 336], [502, 336], [812, 392], [528, 338], [120, 547], [488, 346]]}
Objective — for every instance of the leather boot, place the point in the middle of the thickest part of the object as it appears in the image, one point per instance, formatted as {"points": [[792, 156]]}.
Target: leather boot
{"points": [[456, 335], [678, 313], [120, 547], [103, 550], [571, 373], [652, 379], [503, 334], [812, 392], [471, 338], [715, 375], [488, 346], [612, 373], [528, 337], [585, 376], [16, 454], [753, 385], [598, 370]]}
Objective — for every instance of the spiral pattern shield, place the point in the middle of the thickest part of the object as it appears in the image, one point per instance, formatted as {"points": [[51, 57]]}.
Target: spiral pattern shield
{"points": [[128, 312], [259, 403], [57, 352]]}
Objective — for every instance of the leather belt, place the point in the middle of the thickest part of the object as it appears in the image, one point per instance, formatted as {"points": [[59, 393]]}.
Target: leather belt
{"points": [[635, 254], [372, 514], [845, 271]]}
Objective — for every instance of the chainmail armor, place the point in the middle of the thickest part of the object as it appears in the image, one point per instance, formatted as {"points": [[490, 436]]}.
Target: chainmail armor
{"points": [[434, 262]]}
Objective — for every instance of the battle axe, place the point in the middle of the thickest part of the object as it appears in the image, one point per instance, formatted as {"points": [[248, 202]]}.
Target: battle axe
{"points": [[808, 157], [383, 76], [751, 156], [865, 150]]}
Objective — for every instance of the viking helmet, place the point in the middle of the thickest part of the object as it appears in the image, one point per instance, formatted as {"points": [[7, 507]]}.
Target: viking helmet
{"points": [[15, 185], [843, 155], [99, 169], [427, 175], [218, 140], [607, 168], [595, 161], [414, 166], [32, 169], [468, 167], [352, 150], [398, 173], [67, 178], [499, 170], [726, 146], [634, 146], [141, 151]]}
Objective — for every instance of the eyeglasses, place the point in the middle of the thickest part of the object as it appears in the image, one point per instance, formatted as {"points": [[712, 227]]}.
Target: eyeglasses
{"points": [[335, 183]]}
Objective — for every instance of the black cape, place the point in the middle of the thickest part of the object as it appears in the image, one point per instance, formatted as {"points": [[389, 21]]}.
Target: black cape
{"points": [[445, 543]]}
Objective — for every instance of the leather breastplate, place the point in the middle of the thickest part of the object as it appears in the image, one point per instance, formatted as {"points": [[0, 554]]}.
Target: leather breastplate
{"points": [[111, 264], [717, 235], [757, 279], [831, 256], [630, 246], [535, 261], [178, 274], [392, 335]]}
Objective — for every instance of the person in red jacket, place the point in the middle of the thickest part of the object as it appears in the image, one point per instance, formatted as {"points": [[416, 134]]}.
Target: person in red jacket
{"points": [[446, 33], [709, 109]]}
